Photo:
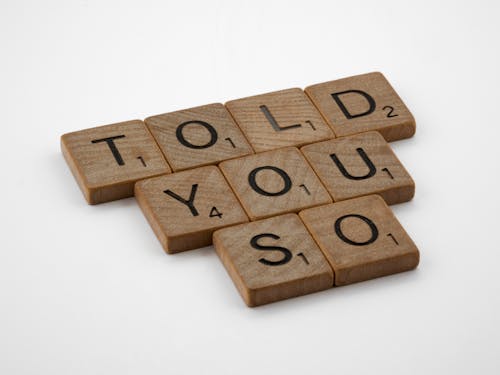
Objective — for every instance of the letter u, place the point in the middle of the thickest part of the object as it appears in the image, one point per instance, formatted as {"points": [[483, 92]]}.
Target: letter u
{"points": [[371, 167]]}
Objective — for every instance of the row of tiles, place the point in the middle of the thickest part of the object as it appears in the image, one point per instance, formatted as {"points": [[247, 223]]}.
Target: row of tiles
{"points": [[332, 245], [185, 208], [108, 160]]}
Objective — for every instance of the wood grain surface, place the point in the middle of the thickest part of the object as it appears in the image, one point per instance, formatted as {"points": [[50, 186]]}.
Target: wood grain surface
{"points": [[198, 136], [360, 165], [184, 208], [362, 103], [361, 238], [273, 259], [274, 182], [107, 160], [279, 119]]}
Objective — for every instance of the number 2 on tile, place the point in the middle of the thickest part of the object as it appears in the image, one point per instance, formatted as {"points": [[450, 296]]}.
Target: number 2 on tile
{"points": [[391, 110]]}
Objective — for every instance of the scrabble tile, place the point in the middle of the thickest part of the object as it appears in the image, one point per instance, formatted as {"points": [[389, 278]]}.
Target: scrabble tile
{"points": [[106, 161], [273, 259], [360, 165], [279, 119], [362, 103], [274, 182], [184, 208], [198, 136], [361, 238]]}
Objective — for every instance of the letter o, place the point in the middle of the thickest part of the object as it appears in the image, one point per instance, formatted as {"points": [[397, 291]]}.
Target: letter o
{"points": [[279, 171], [206, 125], [342, 236]]}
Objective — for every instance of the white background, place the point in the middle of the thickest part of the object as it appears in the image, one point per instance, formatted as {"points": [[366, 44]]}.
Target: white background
{"points": [[89, 290]]}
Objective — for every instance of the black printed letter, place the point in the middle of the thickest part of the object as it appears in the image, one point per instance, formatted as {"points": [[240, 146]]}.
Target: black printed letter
{"points": [[258, 189], [371, 168], [273, 121], [183, 141], [111, 144], [346, 112], [189, 202], [373, 228], [287, 255]]}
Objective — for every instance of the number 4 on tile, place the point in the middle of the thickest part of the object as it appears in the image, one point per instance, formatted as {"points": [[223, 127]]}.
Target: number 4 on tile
{"points": [[215, 212]]}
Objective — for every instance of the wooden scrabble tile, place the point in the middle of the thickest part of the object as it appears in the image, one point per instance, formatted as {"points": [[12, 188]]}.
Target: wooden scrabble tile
{"points": [[198, 136], [360, 165], [273, 259], [361, 238], [279, 119], [274, 182], [362, 103], [106, 161], [184, 208]]}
